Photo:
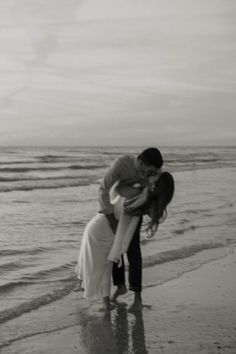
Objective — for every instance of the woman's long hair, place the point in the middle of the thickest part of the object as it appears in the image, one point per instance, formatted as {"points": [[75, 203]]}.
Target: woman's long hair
{"points": [[159, 197]]}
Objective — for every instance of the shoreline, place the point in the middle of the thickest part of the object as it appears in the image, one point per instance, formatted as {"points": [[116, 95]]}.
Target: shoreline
{"points": [[191, 312]]}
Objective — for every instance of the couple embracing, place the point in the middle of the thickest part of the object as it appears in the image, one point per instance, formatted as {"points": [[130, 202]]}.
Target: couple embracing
{"points": [[133, 186]]}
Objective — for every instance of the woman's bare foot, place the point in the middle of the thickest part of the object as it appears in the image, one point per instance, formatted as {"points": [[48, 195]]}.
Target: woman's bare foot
{"points": [[79, 286], [121, 290], [107, 306]]}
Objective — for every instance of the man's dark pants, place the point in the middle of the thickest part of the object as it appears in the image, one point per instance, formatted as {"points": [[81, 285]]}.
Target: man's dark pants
{"points": [[135, 264]]}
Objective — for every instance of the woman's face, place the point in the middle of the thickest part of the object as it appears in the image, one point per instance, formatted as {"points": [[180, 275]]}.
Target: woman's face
{"points": [[153, 179]]}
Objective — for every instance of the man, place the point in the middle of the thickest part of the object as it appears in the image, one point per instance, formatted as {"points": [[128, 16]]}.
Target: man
{"points": [[148, 163]]}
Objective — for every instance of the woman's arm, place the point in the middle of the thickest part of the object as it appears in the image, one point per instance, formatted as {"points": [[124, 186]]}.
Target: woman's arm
{"points": [[129, 192], [135, 193], [131, 188], [138, 200]]}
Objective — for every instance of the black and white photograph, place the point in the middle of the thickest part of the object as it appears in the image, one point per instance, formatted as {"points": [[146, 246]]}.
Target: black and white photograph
{"points": [[117, 177]]}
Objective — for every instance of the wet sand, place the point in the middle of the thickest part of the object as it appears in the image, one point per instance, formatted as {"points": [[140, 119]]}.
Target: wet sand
{"points": [[191, 311]]}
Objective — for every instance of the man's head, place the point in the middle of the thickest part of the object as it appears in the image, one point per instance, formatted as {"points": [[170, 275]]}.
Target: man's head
{"points": [[150, 162]]}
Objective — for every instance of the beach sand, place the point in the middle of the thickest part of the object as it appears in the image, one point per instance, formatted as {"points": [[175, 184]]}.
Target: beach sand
{"points": [[190, 311]]}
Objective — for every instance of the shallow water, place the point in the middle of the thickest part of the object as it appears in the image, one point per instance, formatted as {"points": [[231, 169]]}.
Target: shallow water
{"points": [[49, 194]]}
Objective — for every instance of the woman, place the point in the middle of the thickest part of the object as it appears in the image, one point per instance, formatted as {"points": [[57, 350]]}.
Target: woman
{"points": [[100, 247]]}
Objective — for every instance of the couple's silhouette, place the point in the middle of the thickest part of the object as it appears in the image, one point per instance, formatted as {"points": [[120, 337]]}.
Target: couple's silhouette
{"points": [[140, 188]]}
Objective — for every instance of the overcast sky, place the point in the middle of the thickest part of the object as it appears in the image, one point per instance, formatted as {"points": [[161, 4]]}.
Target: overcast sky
{"points": [[109, 72]]}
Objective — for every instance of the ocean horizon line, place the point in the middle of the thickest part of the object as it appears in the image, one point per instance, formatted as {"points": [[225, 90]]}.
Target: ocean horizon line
{"points": [[118, 146]]}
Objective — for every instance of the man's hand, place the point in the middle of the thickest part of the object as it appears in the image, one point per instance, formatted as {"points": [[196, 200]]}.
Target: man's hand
{"points": [[113, 222]]}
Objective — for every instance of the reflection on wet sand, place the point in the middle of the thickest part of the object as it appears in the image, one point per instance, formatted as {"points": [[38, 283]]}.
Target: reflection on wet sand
{"points": [[117, 331], [138, 336]]}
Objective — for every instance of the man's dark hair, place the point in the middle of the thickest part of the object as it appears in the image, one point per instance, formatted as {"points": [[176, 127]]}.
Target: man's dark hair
{"points": [[151, 156]]}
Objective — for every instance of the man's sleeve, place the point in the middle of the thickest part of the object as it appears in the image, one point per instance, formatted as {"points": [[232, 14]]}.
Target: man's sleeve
{"points": [[113, 174]]}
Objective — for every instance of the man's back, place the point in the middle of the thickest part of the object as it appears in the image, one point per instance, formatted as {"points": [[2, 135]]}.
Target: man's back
{"points": [[124, 167]]}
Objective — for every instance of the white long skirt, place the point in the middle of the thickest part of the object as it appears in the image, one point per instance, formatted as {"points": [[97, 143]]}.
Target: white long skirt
{"points": [[93, 266]]}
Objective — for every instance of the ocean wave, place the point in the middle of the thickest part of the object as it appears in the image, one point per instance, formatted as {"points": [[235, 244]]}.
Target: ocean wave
{"points": [[51, 168], [183, 230], [27, 251], [197, 211], [183, 252], [87, 167], [49, 160], [17, 162], [50, 186], [11, 285], [52, 158], [38, 275], [29, 169], [11, 266], [23, 178], [37, 302], [180, 160]]}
